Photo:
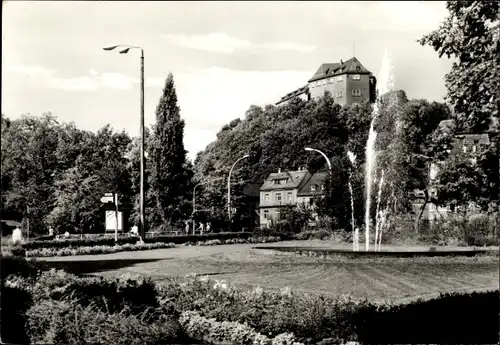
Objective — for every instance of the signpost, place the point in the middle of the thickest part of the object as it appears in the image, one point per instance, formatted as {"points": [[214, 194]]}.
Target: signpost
{"points": [[112, 198]]}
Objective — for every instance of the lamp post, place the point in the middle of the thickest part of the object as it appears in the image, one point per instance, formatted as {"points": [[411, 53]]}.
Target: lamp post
{"points": [[327, 160], [141, 207], [194, 195], [229, 186]]}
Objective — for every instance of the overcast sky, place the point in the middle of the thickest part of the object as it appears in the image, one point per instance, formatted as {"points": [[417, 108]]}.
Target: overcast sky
{"points": [[225, 56]]}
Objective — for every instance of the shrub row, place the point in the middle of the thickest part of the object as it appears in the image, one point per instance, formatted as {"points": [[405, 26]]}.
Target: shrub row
{"points": [[48, 252], [109, 240], [452, 318], [214, 332]]}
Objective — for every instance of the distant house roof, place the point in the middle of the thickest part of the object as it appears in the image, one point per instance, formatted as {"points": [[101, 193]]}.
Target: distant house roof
{"points": [[252, 189], [330, 69], [293, 94], [295, 179], [12, 223], [449, 126], [317, 179]]}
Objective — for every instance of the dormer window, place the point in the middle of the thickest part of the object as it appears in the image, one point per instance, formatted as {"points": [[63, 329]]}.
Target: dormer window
{"points": [[313, 188]]}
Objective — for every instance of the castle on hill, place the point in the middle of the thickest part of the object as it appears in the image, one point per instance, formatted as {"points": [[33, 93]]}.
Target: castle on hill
{"points": [[349, 82]]}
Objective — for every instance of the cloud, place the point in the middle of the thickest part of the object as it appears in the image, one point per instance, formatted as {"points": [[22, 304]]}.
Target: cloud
{"points": [[221, 43], [209, 98], [93, 81]]}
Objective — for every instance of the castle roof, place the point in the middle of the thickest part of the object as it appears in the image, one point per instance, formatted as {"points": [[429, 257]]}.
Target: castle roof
{"points": [[330, 69], [293, 94]]}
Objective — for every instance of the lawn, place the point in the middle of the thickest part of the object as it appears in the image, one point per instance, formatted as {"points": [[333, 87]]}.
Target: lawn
{"points": [[376, 279]]}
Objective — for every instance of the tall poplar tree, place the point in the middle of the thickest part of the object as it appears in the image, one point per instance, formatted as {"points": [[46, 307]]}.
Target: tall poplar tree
{"points": [[170, 175]]}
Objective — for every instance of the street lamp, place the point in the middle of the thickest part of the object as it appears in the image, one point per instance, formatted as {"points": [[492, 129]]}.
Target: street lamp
{"points": [[125, 50], [327, 160], [229, 186], [194, 195]]}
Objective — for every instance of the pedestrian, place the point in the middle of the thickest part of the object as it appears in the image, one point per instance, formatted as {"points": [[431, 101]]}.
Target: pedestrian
{"points": [[208, 227], [187, 227], [356, 239], [134, 231], [201, 228], [66, 234], [51, 231], [17, 236]]}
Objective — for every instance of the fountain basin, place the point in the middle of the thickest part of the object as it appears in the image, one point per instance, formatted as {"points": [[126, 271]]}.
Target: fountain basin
{"points": [[429, 252]]}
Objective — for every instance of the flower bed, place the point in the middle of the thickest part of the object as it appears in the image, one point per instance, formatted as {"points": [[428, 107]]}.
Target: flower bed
{"points": [[107, 249], [110, 241]]}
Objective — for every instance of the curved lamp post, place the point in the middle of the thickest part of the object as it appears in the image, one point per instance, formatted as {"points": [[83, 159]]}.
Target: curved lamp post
{"points": [[320, 152], [229, 186], [125, 50], [194, 195]]}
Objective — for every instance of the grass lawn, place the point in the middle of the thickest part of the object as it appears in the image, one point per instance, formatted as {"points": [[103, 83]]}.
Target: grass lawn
{"points": [[395, 279]]}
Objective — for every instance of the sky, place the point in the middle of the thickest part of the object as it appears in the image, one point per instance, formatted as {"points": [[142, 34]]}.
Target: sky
{"points": [[225, 56]]}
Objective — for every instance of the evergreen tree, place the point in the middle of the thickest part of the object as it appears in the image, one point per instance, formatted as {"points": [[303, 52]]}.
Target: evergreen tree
{"points": [[170, 175]]}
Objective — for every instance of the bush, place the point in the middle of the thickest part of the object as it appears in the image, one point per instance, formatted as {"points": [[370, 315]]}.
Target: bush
{"points": [[211, 331], [456, 318], [68, 322]]}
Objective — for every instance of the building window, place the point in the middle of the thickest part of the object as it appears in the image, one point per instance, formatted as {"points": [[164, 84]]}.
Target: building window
{"points": [[277, 197], [340, 78], [266, 197], [313, 187], [356, 92], [356, 77], [289, 196], [266, 214], [339, 94]]}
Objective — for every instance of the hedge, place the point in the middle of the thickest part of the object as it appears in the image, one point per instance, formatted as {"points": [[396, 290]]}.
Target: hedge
{"points": [[109, 240]]}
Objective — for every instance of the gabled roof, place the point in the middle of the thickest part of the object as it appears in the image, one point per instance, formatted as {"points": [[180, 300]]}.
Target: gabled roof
{"points": [[330, 69], [295, 179], [317, 179]]}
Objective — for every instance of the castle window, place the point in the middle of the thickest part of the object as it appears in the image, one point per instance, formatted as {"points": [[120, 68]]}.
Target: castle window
{"points": [[356, 92], [340, 78], [356, 77]]}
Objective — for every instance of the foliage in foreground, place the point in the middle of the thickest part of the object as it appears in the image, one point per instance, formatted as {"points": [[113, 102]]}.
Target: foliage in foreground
{"points": [[138, 307]]}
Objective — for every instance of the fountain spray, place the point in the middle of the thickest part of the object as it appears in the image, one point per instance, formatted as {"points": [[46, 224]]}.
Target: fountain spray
{"points": [[378, 213], [352, 158], [385, 83]]}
